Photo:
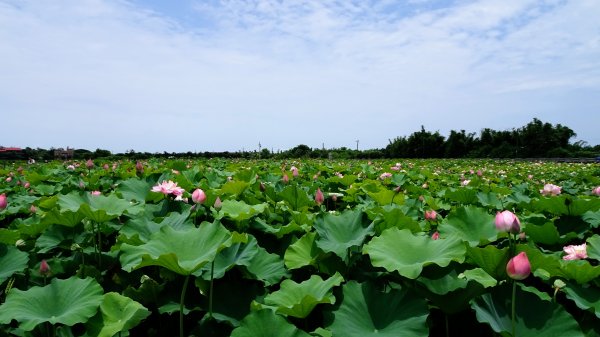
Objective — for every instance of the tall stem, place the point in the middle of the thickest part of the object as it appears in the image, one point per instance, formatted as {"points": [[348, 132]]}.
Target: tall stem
{"points": [[210, 296], [514, 291], [183, 290]]}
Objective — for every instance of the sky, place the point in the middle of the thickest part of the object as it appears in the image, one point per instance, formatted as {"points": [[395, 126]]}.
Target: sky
{"points": [[228, 75]]}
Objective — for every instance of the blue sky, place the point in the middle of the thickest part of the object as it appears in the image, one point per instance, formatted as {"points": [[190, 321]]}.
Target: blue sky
{"points": [[225, 75]]}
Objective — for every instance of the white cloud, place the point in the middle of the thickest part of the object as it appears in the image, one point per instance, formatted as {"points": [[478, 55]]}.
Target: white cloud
{"points": [[290, 72]]}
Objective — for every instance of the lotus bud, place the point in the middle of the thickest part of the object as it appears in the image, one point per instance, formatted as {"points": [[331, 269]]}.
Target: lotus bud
{"points": [[507, 221], [89, 164], [9, 179], [44, 268], [105, 167], [285, 178], [139, 167], [518, 268], [435, 235], [319, 197], [431, 215], [479, 173], [32, 209], [198, 196], [218, 203], [596, 191], [27, 184], [3, 201]]}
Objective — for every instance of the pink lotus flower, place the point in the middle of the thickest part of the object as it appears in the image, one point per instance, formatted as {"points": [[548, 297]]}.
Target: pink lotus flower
{"points": [[105, 166], [395, 168], [575, 252], [479, 173], [198, 196], [218, 203], [32, 209], [507, 221], [530, 176], [435, 235], [385, 175], [95, 193], [27, 184], [3, 201], [9, 179], [465, 182], [431, 215], [89, 164], [44, 268], [294, 171], [518, 268], [139, 167], [596, 191], [70, 167], [550, 189], [319, 197], [169, 187], [285, 178]]}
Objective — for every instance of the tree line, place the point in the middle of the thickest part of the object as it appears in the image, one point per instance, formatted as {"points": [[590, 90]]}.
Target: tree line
{"points": [[534, 140]]}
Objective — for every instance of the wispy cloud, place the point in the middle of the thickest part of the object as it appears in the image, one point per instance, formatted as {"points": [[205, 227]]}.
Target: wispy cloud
{"points": [[232, 73]]}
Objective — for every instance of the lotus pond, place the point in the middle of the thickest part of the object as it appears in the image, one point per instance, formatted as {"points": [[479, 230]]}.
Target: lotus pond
{"points": [[299, 248]]}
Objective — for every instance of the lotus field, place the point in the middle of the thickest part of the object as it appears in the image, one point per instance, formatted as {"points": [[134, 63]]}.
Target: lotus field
{"points": [[299, 248]]}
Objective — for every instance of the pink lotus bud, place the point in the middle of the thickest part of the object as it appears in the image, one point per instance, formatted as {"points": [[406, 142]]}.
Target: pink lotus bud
{"points": [[95, 193], [105, 166], [89, 164], [285, 178], [27, 184], [471, 171], [435, 235], [479, 173], [70, 167], [575, 252], [319, 197], [431, 215], [9, 179], [385, 175], [596, 191], [218, 203], [44, 268], [3, 201], [507, 221], [398, 189], [20, 169], [18, 183], [550, 189], [518, 268], [198, 196], [530, 176], [421, 198], [175, 172], [334, 197], [294, 171], [81, 184], [139, 167], [32, 209]]}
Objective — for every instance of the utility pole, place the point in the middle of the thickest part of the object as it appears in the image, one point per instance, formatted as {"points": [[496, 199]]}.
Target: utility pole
{"points": [[357, 145]]}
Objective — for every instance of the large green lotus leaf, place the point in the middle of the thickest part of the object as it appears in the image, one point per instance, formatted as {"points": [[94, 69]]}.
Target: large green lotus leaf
{"points": [[239, 254], [102, 208], [234, 299], [365, 311], [179, 220], [65, 218], [299, 299], [544, 234], [566, 205], [135, 189], [9, 236], [338, 233], [393, 216], [489, 199], [234, 188], [141, 227], [71, 201], [401, 251], [382, 195], [444, 281], [303, 252], [267, 267], [239, 210], [534, 317], [12, 260], [55, 236], [296, 197], [279, 230], [593, 247], [117, 313], [182, 252], [266, 323], [67, 302], [585, 297], [491, 259], [593, 218], [471, 224], [462, 195]]}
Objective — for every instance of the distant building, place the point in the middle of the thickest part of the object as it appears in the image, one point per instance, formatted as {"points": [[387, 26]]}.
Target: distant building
{"points": [[61, 153], [10, 149], [11, 153]]}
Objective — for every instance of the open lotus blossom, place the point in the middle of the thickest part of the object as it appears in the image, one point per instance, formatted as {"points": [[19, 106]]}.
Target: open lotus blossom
{"points": [[294, 171], [385, 175], [596, 191], [169, 187], [518, 268], [96, 193], [550, 189], [465, 182], [431, 215], [575, 252], [71, 167], [3, 201], [198, 196], [507, 221]]}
